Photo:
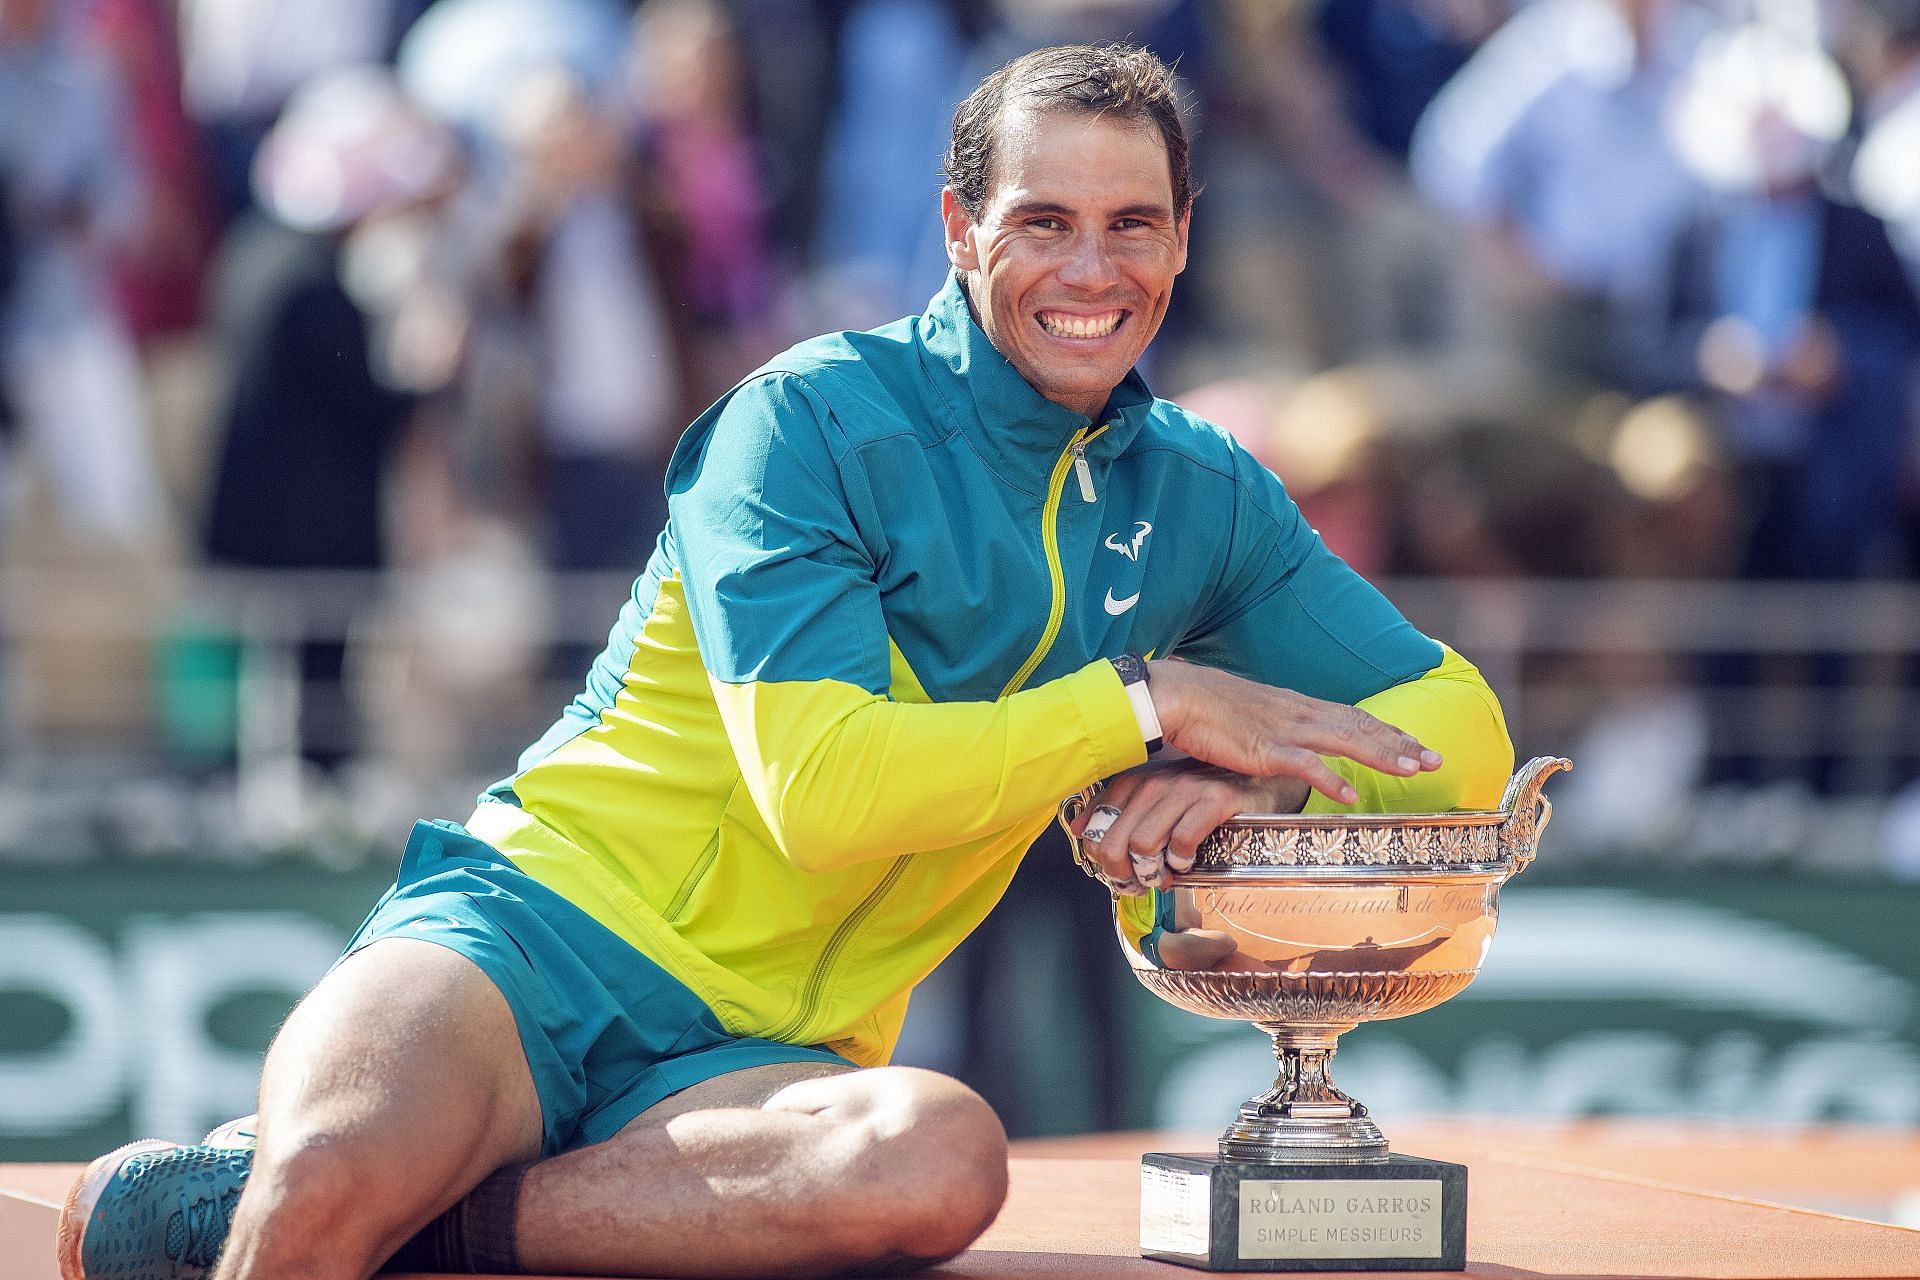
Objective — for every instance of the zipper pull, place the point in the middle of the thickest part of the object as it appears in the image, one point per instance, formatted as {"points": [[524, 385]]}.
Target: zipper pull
{"points": [[1084, 472]]}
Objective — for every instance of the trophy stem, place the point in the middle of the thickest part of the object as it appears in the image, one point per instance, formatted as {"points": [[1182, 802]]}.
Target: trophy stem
{"points": [[1304, 1118]]}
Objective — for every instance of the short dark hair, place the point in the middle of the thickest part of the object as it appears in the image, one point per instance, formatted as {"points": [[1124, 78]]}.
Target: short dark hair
{"points": [[1122, 80]]}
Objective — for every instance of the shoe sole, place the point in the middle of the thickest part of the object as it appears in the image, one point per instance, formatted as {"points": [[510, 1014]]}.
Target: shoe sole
{"points": [[237, 1135], [85, 1194]]}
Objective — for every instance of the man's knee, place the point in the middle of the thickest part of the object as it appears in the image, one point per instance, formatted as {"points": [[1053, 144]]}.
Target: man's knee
{"points": [[318, 1180], [930, 1174]]}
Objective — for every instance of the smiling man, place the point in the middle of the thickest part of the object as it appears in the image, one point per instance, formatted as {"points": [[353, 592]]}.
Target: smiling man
{"points": [[633, 1016]]}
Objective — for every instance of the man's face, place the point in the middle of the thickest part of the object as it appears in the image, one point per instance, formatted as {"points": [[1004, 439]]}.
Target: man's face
{"points": [[1072, 261]]}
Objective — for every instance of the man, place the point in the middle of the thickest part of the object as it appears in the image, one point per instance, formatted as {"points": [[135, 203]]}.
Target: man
{"points": [[633, 1017]]}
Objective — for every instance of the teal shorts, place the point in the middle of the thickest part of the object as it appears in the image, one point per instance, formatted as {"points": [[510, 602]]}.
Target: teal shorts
{"points": [[607, 1032]]}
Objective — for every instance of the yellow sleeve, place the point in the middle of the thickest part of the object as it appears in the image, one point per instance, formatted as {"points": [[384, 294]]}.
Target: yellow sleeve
{"points": [[1451, 710], [842, 776]]}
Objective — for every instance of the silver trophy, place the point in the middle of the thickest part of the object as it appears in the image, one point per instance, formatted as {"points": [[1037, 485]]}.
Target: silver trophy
{"points": [[1307, 926]]}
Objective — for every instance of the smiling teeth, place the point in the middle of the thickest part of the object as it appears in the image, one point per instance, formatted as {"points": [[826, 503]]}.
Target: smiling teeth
{"points": [[1066, 326]]}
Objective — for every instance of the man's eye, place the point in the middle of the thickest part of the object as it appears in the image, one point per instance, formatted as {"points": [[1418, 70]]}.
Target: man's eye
{"points": [[1048, 224]]}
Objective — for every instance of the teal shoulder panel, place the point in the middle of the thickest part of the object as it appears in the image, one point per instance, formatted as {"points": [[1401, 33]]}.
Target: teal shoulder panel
{"points": [[780, 583], [1287, 611]]}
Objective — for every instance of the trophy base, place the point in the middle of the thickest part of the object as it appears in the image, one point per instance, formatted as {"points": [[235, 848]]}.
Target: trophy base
{"points": [[1400, 1214]]}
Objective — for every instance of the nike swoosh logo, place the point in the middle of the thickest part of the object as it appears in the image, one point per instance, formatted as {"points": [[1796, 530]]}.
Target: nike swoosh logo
{"points": [[1118, 607]]}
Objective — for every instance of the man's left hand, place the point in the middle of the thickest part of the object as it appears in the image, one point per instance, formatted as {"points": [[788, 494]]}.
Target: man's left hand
{"points": [[1165, 809]]}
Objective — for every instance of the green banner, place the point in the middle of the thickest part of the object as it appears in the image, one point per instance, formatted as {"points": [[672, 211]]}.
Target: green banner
{"points": [[1754, 999], [137, 999]]}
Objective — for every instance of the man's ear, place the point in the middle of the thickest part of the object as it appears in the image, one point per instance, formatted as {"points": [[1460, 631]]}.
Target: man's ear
{"points": [[1180, 234], [959, 227]]}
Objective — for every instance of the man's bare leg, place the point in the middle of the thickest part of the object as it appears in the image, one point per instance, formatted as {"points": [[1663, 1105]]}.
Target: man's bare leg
{"points": [[399, 1084], [395, 1087], [790, 1169]]}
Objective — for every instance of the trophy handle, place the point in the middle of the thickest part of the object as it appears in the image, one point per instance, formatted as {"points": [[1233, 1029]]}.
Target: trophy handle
{"points": [[1527, 809]]}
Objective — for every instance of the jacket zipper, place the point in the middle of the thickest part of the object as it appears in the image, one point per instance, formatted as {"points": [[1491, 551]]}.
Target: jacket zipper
{"points": [[1085, 473], [1073, 457], [817, 980], [701, 866]]}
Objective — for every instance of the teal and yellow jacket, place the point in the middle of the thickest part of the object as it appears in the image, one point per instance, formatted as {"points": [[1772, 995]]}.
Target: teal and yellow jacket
{"points": [[867, 659]]}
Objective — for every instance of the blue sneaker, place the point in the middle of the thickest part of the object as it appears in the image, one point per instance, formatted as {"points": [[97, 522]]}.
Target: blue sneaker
{"points": [[151, 1211]]}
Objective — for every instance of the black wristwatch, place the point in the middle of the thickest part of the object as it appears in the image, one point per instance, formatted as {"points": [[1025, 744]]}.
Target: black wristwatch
{"points": [[1133, 675]]}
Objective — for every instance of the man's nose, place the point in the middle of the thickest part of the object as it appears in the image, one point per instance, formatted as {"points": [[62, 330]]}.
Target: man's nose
{"points": [[1090, 264]]}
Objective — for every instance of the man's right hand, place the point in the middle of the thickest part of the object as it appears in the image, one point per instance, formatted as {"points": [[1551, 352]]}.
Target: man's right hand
{"points": [[1264, 732]]}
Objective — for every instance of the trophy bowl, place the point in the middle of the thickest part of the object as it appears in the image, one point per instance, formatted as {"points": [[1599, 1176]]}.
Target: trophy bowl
{"points": [[1308, 925]]}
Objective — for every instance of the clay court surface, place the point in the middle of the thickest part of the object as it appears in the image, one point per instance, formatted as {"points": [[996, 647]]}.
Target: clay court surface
{"points": [[1595, 1200]]}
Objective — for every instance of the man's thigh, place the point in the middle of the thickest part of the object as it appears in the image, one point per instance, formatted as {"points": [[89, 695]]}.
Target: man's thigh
{"points": [[408, 1039]]}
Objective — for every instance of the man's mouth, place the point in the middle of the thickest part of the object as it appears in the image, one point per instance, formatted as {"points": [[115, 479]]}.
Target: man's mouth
{"points": [[1062, 324]]}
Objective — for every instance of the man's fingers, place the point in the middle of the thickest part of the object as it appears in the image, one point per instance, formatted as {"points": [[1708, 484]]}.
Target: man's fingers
{"points": [[1113, 796], [1306, 765], [1107, 847], [1120, 790], [1376, 744], [1183, 843], [1352, 733], [1147, 834]]}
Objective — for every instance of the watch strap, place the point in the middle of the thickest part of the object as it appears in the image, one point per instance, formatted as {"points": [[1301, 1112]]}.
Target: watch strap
{"points": [[1133, 677]]}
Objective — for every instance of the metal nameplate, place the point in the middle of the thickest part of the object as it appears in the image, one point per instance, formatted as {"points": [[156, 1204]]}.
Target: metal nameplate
{"points": [[1340, 1218]]}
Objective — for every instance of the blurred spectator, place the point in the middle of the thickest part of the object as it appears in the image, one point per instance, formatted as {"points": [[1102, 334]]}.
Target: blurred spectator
{"points": [[1495, 500], [1687, 521], [1552, 145], [696, 139], [877, 251], [309, 420], [160, 271], [463, 56], [577, 281], [1405, 293], [1390, 58], [245, 58], [1881, 49], [9, 272], [1787, 302], [1643, 736], [791, 51], [67, 173], [575, 384]]}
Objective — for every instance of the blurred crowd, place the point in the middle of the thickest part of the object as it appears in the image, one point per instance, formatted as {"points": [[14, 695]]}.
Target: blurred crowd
{"points": [[1538, 288]]}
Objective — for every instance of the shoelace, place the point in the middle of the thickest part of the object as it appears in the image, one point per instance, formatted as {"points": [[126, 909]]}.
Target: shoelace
{"points": [[199, 1229]]}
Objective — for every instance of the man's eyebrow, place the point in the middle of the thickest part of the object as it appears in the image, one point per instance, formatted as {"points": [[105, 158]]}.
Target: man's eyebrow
{"points": [[1037, 208], [1160, 211], [1041, 208]]}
